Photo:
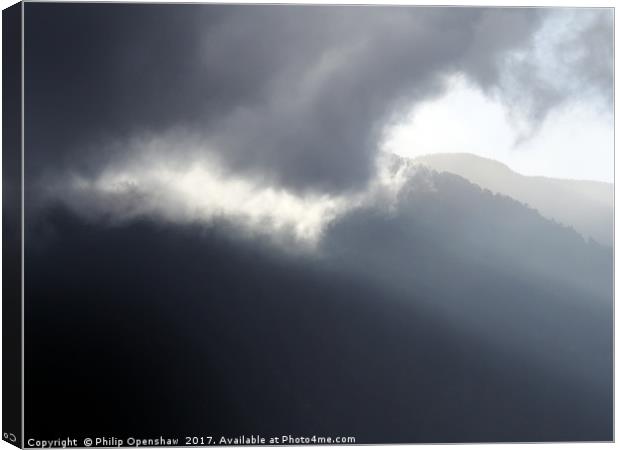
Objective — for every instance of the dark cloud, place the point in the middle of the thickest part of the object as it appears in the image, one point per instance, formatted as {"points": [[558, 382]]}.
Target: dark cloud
{"points": [[297, 94]]}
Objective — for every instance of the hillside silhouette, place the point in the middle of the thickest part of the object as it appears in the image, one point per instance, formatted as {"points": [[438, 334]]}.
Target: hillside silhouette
{"points": [[584, 205], [456, 316]]}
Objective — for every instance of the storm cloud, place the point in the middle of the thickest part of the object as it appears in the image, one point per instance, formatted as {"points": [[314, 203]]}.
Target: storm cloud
{"points": [[295, 95]]}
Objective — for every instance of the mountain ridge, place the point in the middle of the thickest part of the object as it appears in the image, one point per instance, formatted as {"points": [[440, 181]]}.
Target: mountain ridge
{"points": [[585, 205]]}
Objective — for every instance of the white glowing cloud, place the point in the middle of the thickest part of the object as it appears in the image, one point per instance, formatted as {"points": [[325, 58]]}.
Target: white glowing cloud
{"points": [[202, 191]]}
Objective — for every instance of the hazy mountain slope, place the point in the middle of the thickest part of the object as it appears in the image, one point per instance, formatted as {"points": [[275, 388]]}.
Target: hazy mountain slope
{"points": [[586, 206], [488, 263], [456, 315]]}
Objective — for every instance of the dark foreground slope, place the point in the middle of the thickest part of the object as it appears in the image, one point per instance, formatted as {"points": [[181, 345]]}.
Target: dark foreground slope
{"points": [[462, 316]]}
